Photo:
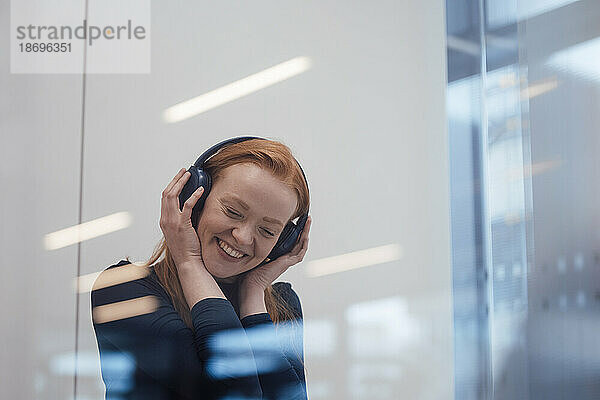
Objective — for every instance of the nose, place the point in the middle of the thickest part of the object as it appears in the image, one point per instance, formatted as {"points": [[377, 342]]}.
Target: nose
{"points": [[242, 233]]}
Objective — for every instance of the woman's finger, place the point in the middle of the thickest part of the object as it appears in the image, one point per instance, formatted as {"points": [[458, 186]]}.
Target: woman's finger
{"points": [[300, 247], [303, 237], [174, 181], [166, 212], [170, 203], [176, 189], [300, 256], [303, 249], [306, 229], [189, 204]]}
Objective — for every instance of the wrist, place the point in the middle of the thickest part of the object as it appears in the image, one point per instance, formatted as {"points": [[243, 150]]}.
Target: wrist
{"points": [[196, 282], [250, 289], [251, 302], [190, 265]]}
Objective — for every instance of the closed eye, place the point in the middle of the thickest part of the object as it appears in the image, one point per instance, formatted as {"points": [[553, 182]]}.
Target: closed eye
{"points": [[236, 215], [232, 212], [268, 232]]}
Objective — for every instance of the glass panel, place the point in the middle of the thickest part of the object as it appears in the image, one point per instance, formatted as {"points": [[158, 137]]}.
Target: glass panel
{"points": [[40, 168], [358, 94], [364, 113], [538, 215], [560, 51]]}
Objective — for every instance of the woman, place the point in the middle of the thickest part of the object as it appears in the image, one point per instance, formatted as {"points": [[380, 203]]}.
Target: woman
{"points": [[210, 332]]}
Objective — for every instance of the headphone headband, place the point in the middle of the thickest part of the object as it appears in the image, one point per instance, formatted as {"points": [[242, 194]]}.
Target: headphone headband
{"points": [[215, 149]]}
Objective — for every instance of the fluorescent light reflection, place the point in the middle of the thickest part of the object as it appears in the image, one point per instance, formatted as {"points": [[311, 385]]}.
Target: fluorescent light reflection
{"points": [[381, 328], [124, 309], [237, 89], [581, 60], [231, 357], [374, 379], [531, 8], [354, 260], [109, 277], [536, 169], [539, 88], [379, 334], [321, 337], [463, 45], [87, 363], [87, 230]]}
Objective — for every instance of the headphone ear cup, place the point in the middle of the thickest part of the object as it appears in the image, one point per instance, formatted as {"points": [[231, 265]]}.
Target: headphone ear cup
{"points": [[282, 246], [287, 241], [198, 177]]}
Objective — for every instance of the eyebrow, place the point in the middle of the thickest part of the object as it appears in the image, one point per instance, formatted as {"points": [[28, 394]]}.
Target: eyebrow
{"points": [[246, 207]]}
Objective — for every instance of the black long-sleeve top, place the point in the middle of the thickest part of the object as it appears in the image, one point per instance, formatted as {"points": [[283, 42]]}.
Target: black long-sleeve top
{"points": [[154, 355]]}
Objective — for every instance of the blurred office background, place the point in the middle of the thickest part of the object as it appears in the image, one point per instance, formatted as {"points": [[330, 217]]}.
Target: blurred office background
{"points": [[453, 143], [522, 106]]}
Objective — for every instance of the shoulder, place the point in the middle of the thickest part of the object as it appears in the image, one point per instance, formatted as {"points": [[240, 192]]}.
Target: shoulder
{"points": [[289, 296], [124, 281]]}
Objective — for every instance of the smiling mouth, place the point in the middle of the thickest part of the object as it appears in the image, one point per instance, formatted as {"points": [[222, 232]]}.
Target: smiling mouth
{"points": [[230, 251]]}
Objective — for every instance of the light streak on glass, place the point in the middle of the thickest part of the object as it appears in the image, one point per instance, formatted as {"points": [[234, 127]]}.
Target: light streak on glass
{"points": [[87, 230], [354, 260], [235, 90], [109, 277], [124, 309]]}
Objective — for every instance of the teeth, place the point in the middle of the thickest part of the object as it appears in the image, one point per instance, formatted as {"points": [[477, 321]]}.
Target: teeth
{"points": [[229, 250]]}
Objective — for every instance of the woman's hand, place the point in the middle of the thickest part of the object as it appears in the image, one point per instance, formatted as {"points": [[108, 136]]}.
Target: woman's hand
{"points": [[176, 225], [258, 279]]}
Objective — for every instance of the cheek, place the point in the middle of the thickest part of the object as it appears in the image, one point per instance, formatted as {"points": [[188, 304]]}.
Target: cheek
{"points": [[201, 236], [209, 223], [265, 249]]}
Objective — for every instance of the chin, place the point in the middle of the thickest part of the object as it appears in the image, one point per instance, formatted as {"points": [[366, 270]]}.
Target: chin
{"points": [[219, 271], [216, 272]]}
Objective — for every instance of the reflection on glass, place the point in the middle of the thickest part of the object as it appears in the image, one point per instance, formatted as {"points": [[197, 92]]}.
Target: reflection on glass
{"points": [[580, 61], [524, 296], [321, 337], [235, 90], [87, 230], [229, 357], [354, 260], [381, 328], [124, 309]]}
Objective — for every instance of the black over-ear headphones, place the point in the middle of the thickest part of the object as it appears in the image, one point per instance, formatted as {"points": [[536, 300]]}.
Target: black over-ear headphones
{"points": [[200, 177]]}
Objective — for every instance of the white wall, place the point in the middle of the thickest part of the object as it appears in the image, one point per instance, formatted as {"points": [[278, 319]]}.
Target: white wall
{"points": [[367, 122]]}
